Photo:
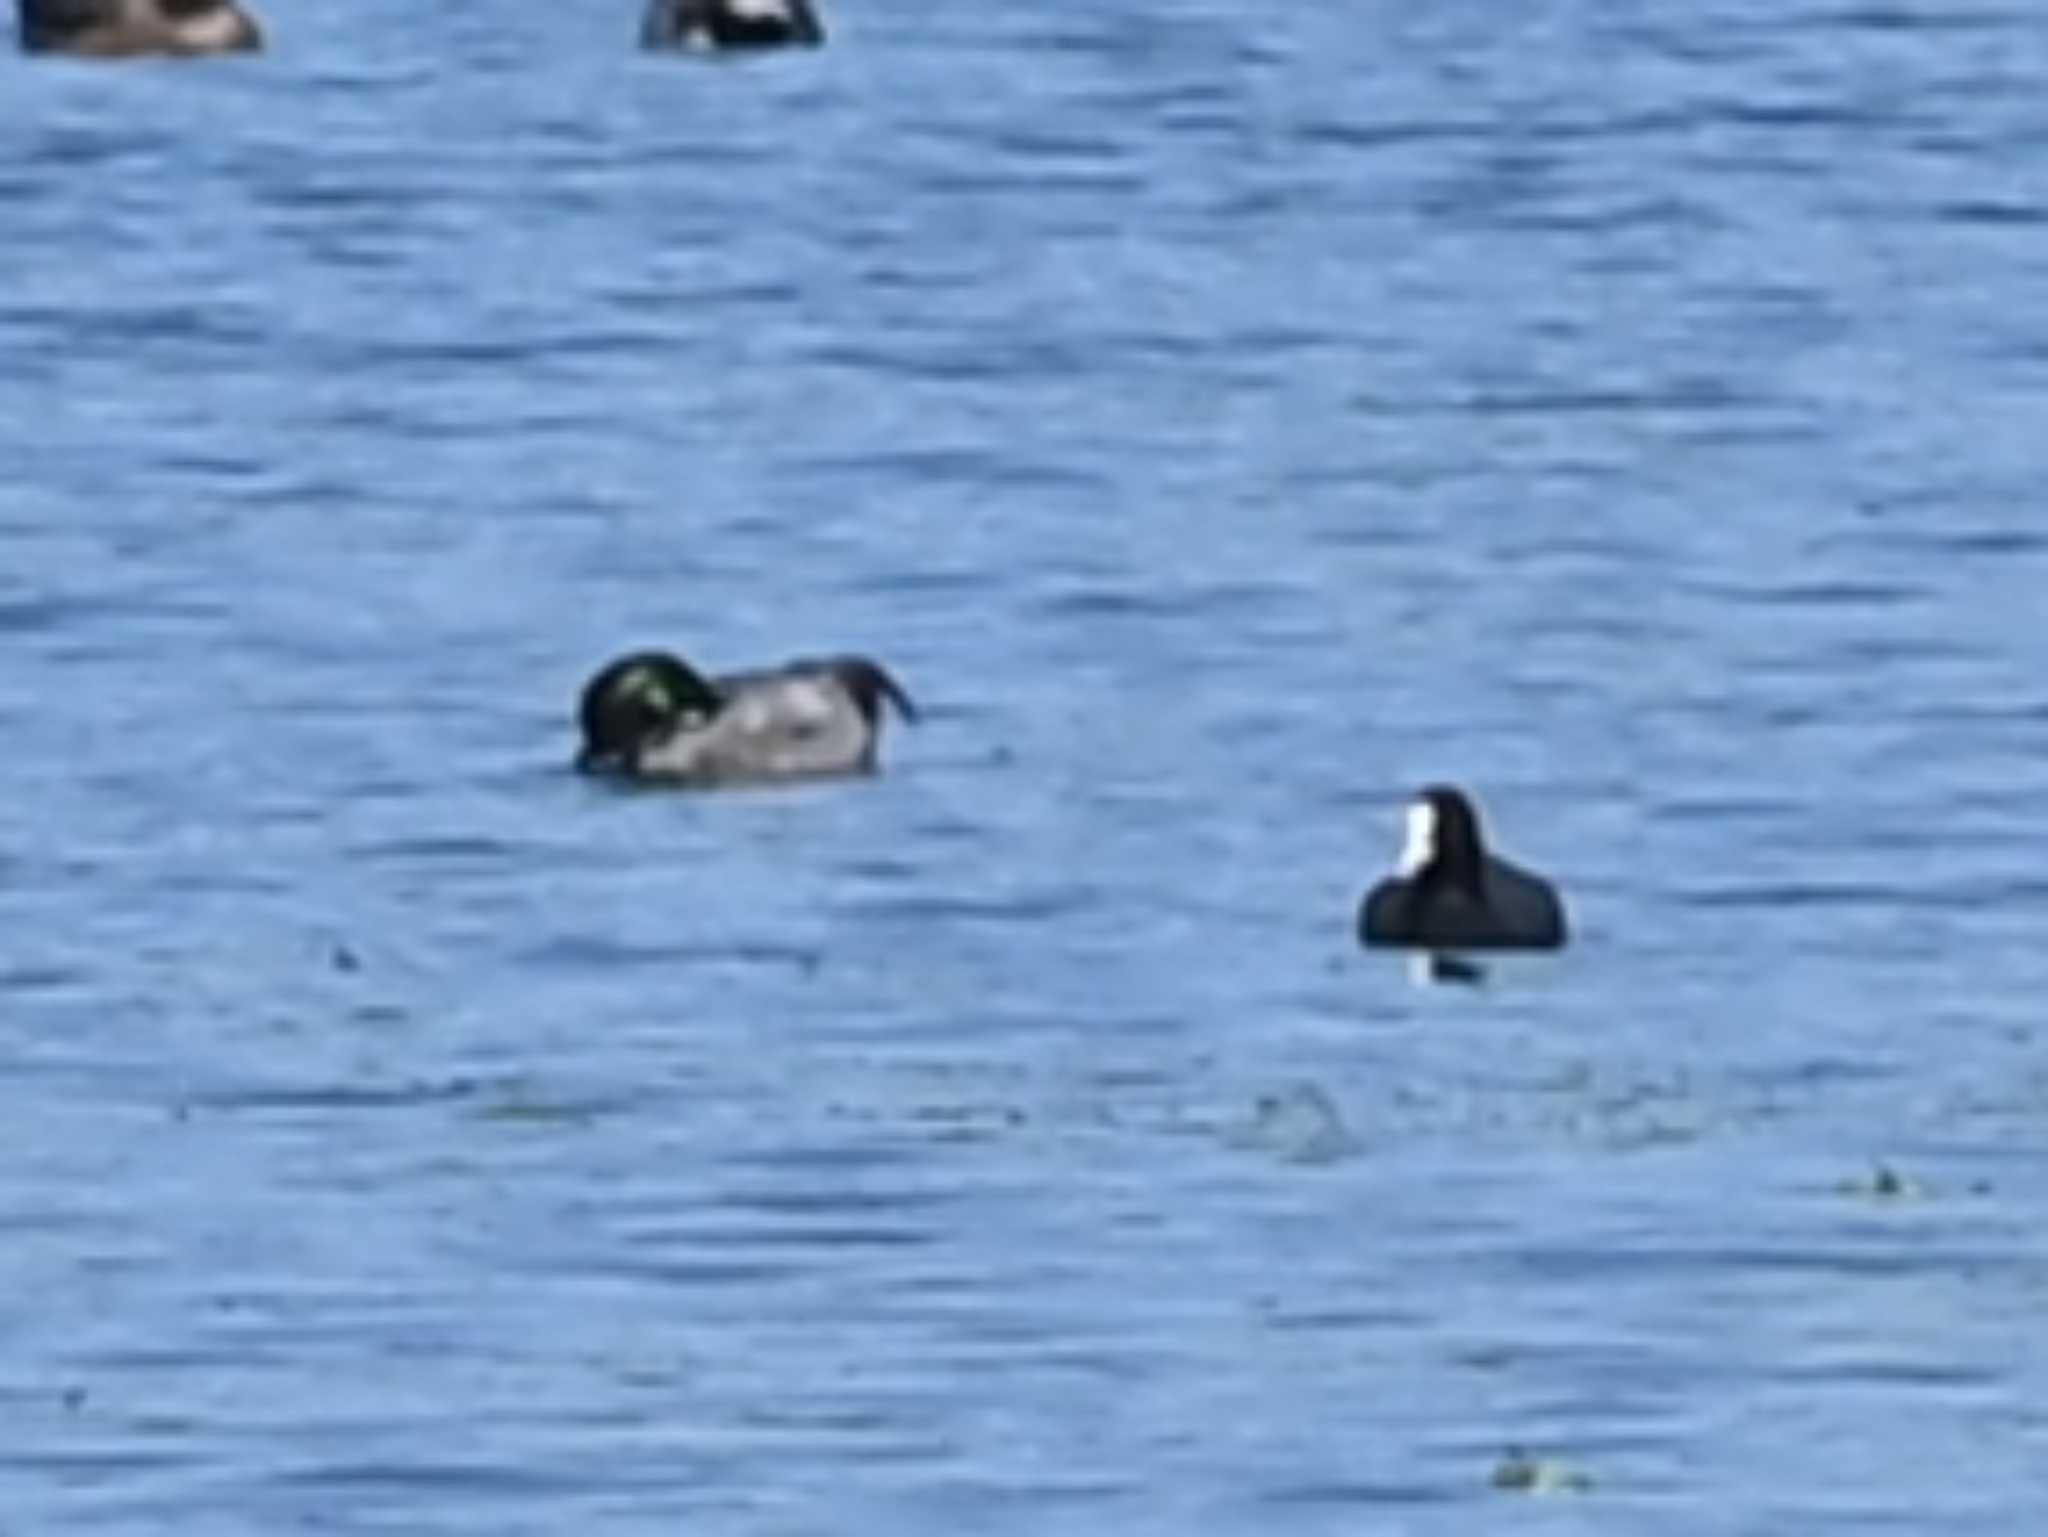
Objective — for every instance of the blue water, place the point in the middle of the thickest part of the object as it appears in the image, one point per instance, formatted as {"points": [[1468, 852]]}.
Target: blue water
{"points": [[1223, 422]]}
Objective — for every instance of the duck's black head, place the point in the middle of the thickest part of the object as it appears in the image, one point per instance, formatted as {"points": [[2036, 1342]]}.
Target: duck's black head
{"points": [[635, 702], [730, 24], [1443, 838]]}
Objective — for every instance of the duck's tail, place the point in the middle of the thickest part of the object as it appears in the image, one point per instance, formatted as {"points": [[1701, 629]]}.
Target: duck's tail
{"points": [[869, 682]]}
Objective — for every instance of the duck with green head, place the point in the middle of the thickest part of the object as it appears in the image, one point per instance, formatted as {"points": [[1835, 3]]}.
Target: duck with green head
{"points": [[651, 716]]}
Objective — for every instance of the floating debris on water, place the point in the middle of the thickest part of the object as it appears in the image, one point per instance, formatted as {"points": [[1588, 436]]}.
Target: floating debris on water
{"points": [[1524, 1474], [1299, 1123], [1883, 1183]]}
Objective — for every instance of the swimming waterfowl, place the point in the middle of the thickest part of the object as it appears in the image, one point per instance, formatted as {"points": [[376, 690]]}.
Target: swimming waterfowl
{"points": [[109, 29], [1450, 894], [651, 716], [710, 24]]}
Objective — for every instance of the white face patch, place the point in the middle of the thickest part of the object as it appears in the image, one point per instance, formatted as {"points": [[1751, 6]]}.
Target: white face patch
{"points": [[1420, 847], [759, 10]]}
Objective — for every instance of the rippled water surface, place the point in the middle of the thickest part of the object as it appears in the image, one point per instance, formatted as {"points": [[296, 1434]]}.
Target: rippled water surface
{"points": [[1224, 421]]}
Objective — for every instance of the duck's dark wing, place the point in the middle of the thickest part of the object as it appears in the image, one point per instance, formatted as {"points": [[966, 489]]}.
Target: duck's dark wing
{"points": [[1387, 915], [1425, 915], [1513, 910], [1526, 909]]}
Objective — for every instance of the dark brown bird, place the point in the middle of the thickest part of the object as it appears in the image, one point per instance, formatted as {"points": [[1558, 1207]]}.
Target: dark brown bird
{"points": [[112, 29]]}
